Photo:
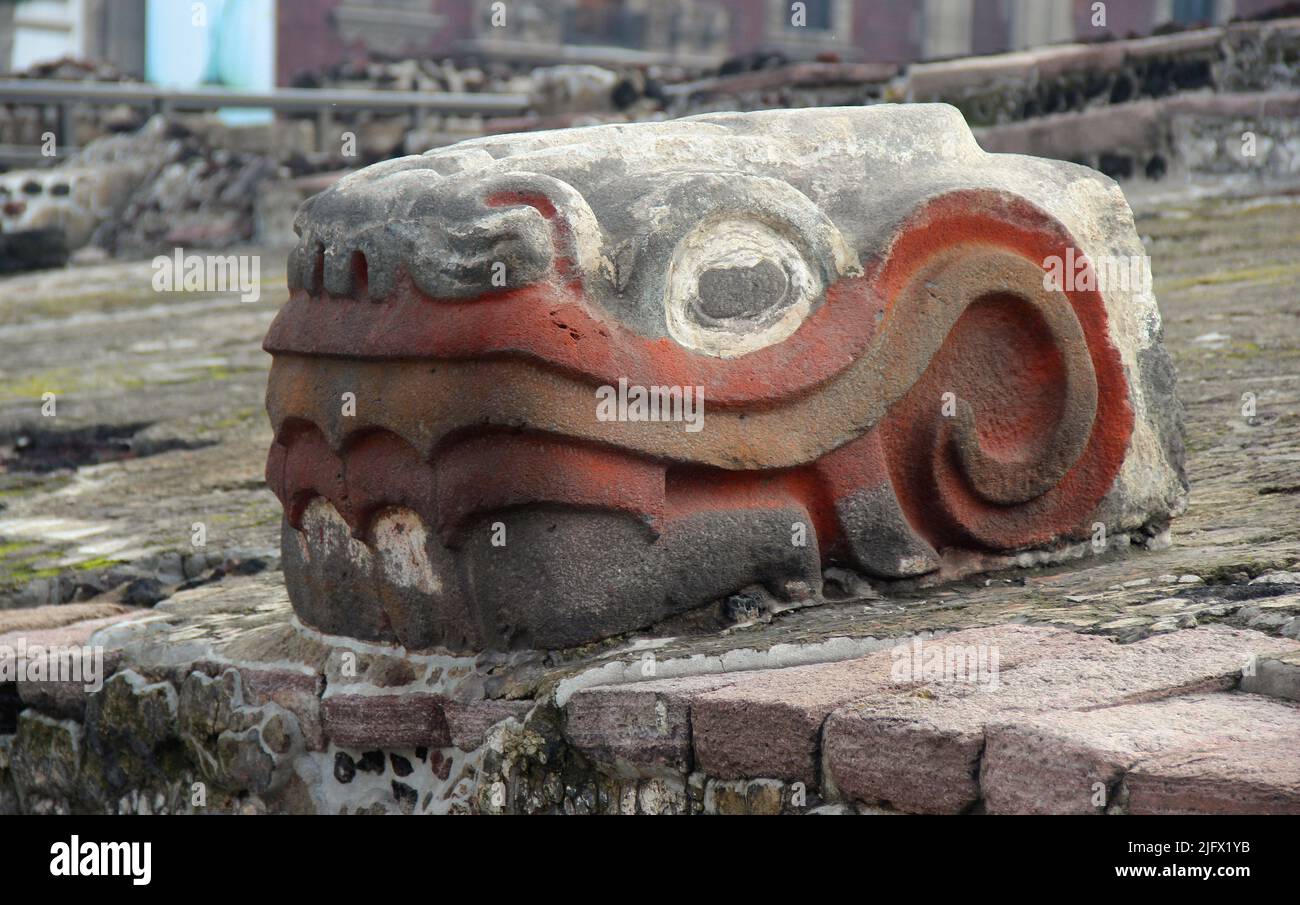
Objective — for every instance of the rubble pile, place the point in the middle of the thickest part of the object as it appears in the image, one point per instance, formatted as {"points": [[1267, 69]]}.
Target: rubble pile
{"points": [[1005, 88], [1214, 103], [379, 137], [162, 186], [818, 84], [23, 124], [559, 96], [194, 194], [1172, 104], [420, 75]]}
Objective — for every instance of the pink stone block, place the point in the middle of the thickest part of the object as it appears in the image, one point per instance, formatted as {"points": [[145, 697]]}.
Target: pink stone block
{"points": [[1256, 776], [768, 723], [1051, 763], [641, 726], [921, 752], [385, 721]]}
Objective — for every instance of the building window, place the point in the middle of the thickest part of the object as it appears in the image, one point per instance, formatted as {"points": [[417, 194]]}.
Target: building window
{"points": [[818, 14], [604, 22], [1193, 12]]}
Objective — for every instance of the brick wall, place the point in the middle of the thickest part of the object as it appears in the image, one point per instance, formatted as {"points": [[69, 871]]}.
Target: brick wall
{"points": [[883, 30], [886, 31]]}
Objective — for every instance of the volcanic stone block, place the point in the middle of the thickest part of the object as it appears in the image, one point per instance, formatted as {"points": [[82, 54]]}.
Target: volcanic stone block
{"points": [[46, 756], [404, 720], [641, 727], [1051, 763], [1258, 776], [297, 691], [768, 723], [1278, 676], [534, 390], [468, 724], [922, 752], [66, 644]]}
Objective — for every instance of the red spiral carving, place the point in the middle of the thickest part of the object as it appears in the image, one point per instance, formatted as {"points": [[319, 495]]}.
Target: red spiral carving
{"points": [[1038, 422]]}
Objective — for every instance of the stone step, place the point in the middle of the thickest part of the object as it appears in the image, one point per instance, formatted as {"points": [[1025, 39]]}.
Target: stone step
{"points": [[1278, 676], [768, 723], [61, 630], [910, 726], [641, 728], [410, 718], [921, 752], [763, 723], [1256, 776], [16, 623], [1181, 755]]}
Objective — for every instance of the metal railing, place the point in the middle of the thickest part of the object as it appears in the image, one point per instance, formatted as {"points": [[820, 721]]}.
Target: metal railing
{"points": [[55, 91], [324, 102]]}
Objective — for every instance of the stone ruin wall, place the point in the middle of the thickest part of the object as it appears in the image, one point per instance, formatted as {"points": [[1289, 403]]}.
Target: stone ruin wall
{"points": [[1174, 106], [217, 706]]}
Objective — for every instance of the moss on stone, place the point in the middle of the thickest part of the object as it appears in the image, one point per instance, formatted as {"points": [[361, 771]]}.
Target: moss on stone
{"points": [[46, 757], [59, 381]]}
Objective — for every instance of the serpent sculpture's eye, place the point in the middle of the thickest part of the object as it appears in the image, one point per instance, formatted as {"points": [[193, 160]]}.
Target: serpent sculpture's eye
{"points": [[736, 286]]}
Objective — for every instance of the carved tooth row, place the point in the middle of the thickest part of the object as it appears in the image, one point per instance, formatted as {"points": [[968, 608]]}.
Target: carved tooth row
{"points": [[396, 552], [457, 264], [341, 268]]}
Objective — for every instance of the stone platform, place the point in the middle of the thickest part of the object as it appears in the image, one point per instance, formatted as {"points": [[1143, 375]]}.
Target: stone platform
{"points": [[219, 700], [217, 686]]}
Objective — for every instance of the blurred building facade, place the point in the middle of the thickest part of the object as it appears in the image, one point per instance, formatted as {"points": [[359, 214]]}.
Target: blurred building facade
{"points": [[39, 31], [311, 35]]}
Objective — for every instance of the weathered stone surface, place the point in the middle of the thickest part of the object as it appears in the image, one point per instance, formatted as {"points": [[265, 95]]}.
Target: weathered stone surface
{"points": [[236, 745], [639, 727], [405, 720], [213, 625], [1188, 135], [921, 752], [132, 711], [768, 723], [468, 724], [47, 618], [44, 760], [856, 341], [1035, 83], [760, 797], [624, 749], [1278, 676], [1052, 763], [1258, 775], [1226, 286], [9, 804], [73, 642], [296, 690]]}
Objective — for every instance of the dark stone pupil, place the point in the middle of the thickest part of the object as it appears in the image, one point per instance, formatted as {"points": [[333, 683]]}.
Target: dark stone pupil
{"points": [[740, 292]]}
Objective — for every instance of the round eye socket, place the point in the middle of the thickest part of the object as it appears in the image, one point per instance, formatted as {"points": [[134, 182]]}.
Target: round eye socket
{"points": [[736, 286]]}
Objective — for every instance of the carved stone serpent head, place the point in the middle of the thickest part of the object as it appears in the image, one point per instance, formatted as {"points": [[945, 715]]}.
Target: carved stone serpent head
{"points": [[540, 389]]}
